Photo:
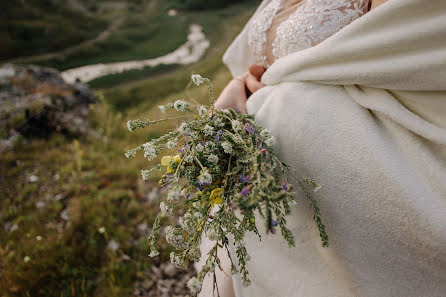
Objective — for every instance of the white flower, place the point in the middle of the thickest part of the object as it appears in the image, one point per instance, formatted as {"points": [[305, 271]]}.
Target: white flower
{"points": [[149, 151], [194, 285], [265, 133], [213, 159], [39, 238], [171, 144], [101, 230], [184, 128], [196, 204], [270, 141], [188, 158], [174, 238], [173, 194], [162, 108], [198, 216], [208, 130], [179, 105], [26, 259], [205, 178], [153, 253], [178, 261], [129, 126], [202, 111], [166, 209], [317, 188], [187, 224], [199, 148], [197, 79], [227, 147], [211, 266], [209, 146], [145, 174], [236, 125]]}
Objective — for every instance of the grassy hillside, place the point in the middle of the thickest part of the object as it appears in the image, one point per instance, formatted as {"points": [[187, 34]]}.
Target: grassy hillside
{"points": [[66, 200]]}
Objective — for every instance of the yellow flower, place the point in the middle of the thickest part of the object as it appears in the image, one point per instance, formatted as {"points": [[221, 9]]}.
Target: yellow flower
{"points": [[252, 220], [165, 161], [215, 197], [170, 169], [177, 158]]}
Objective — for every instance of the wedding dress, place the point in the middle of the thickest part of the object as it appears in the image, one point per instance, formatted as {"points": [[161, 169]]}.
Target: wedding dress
{"points": [[358, 104]]}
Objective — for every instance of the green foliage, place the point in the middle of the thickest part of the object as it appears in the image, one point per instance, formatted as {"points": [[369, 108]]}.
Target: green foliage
{"points": [[204, 4], [37, 27]]}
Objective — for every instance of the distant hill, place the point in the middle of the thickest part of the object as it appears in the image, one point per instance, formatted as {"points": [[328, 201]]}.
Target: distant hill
{"points": [[29, 27]]}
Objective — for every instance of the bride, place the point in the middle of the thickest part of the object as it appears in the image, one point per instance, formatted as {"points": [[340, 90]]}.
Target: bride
{"points": [[356, 97]]}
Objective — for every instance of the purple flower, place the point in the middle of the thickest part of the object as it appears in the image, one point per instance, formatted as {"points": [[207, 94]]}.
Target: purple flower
{"points": [[245, 191], [284, 186], [244, 179], [275, 223], [249, 129], [203, 143], [187, 195], [200, 187], [219, 134]]}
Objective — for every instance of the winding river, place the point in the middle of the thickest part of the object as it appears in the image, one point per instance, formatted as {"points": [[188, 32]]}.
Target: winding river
{"points": [[190, 52]]}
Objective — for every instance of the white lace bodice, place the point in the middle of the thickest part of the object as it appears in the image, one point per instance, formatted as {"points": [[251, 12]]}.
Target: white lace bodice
{"points": [[308, 23]]}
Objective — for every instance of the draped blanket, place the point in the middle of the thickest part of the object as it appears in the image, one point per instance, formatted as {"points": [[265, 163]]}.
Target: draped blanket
{"points": [[364, 114]]}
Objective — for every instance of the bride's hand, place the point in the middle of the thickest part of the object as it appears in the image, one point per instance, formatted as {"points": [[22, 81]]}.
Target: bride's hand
{"points": [[234, 94], [253, 78]]}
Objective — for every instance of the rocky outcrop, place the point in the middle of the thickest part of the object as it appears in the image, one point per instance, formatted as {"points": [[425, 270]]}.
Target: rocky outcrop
{"points": [[36, 101]]}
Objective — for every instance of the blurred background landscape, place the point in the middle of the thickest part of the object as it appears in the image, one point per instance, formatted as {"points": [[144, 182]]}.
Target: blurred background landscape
{"points": [[74, 212]]}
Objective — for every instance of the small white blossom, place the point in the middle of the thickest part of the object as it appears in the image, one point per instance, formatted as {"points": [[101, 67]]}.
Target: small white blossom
{"points": [[211, 266], [208, 130], [227, 147], [180, 105], [166, 209], [236, 125], [265, 133], [39, 238], [177, 261], [199, 148], [209, 146], [211, 234], [129, 126], [198, 216], [184, 128], [171, 144], [153, 253], [196, 204], [188, 158], [194, 285], [187, 224], [197, 79], [149, 151], [270, 141], [317, 188], [173, 194], [26, 259], [202, 111], [213, 159], [162, 108], [101, 230], [145, 174], [205, 177]]}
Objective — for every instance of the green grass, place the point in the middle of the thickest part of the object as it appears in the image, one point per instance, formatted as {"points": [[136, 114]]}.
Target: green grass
{"points": [[99, 186]]}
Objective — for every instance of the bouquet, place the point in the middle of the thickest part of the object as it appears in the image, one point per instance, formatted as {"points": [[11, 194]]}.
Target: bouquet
{"points": [[222, 172]]}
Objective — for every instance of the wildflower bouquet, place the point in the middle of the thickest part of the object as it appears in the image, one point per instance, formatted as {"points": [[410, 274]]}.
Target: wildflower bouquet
{"points": [[223, 173]]}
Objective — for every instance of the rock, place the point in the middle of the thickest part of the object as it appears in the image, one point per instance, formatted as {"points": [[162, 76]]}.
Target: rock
{"points": [[36, 101]]}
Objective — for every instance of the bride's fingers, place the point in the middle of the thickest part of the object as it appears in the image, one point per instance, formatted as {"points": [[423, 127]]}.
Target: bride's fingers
{"points": [[257, 71], [253, 84]]}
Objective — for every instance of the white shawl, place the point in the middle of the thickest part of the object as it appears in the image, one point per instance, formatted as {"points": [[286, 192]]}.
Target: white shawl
{"points": [[363, 113]]}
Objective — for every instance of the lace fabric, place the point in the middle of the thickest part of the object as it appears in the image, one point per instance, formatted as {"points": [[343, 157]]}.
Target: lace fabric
{"points": [[282, 28]]}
